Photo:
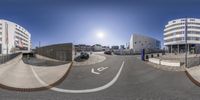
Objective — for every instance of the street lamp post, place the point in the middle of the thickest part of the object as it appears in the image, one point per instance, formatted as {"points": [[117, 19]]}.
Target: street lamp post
{"points": [[39, 48], [186, 44]]}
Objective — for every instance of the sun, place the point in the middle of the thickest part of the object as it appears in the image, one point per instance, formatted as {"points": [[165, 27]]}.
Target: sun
{"points": [[100, 35]]}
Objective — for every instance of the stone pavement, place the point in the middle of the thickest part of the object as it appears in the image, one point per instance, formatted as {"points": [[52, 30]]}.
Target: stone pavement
{"points": [[15, 74]]}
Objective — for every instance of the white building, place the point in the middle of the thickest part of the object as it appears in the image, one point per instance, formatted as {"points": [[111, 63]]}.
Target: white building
{"points": [[97, 47], [174, 35], [13, 38], [139, 42]]}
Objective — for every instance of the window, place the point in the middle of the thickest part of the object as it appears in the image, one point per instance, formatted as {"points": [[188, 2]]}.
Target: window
{"points": [[175, 25], [182, 19], [194, 27], [182, 27], [182, 38], [192, 19]]}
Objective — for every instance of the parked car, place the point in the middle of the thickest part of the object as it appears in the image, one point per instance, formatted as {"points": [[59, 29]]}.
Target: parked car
{"points": [[84, 55], [108, 52]]}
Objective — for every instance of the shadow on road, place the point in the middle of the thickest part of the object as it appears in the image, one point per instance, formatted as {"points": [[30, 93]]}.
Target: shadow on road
{"points": [[41, 62]]}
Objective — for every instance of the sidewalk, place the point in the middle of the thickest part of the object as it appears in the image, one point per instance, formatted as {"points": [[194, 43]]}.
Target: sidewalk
{"points": [[21, 76], [194, 74]]}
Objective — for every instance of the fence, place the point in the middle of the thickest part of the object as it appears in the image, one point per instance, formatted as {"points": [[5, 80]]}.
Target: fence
{"points": [[5, 58], [131, 52], [193, 61]]}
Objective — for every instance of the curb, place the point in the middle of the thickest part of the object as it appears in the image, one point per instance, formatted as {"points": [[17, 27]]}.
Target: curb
{"points": [[192, 79]]}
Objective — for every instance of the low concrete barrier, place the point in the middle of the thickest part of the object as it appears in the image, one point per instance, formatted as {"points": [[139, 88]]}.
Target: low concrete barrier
{"points": [[165, 62], [170, 63], [154, 60]]}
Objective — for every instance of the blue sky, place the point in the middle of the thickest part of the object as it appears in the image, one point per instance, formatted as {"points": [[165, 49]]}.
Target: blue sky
{"points": [[77, 21]]}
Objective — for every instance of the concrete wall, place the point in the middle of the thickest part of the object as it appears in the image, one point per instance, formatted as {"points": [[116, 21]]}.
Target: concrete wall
{"points": [[170, 63], [165, 62], [63, 52], [154, 60]]}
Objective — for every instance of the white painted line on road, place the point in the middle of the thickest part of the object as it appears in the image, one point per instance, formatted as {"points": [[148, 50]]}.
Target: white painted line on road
{"points": [[101, 68], [85, 90], [38, 78], [92, 71]]}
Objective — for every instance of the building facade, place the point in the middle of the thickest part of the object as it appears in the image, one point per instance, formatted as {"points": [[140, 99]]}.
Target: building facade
{"points": [[122, 47], [174, 35], [13, 38], [115, 47], [105, 48], [139, 42], [83, 47], [97, 47]]}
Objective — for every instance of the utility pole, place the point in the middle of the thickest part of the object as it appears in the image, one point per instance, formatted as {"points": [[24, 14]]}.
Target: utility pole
{"points": [[186, 44], [39, 44], [6, 27], [39, 51]]}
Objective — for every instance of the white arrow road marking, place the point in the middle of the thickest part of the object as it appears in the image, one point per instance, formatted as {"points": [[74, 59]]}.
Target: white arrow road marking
{"points": [[94, 71], [102, 68], [86, 90]]}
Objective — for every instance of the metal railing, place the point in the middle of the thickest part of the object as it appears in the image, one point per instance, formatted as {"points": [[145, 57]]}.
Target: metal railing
{"points": [[5, 58], [193, 61]]}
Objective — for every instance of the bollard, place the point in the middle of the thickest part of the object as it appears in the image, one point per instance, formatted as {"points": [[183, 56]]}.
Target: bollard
{"points": [[151, 55], [147, 57], [158, 55], [143, 55]]}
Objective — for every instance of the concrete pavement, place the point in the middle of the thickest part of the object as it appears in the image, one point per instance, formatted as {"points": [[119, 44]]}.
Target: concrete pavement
{"points": [[194, 74], [17, 75]]}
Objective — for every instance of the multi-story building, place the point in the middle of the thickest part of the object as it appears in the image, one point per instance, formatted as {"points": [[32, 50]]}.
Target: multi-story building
{"points": [[115, 47], [122, 47], [174, 35], [83, 47], [139, 42], [13, 38], [105, 48]]}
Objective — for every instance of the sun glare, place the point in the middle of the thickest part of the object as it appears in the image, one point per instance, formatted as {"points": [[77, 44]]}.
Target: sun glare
{"points": [[100, 34]]}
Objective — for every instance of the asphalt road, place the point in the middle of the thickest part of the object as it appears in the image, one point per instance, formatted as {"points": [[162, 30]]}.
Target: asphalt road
{"points": [[137, 81]]}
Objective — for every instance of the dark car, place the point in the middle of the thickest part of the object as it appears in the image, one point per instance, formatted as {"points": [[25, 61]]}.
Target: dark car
{"points": [[108, 52], [84, 55]]}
